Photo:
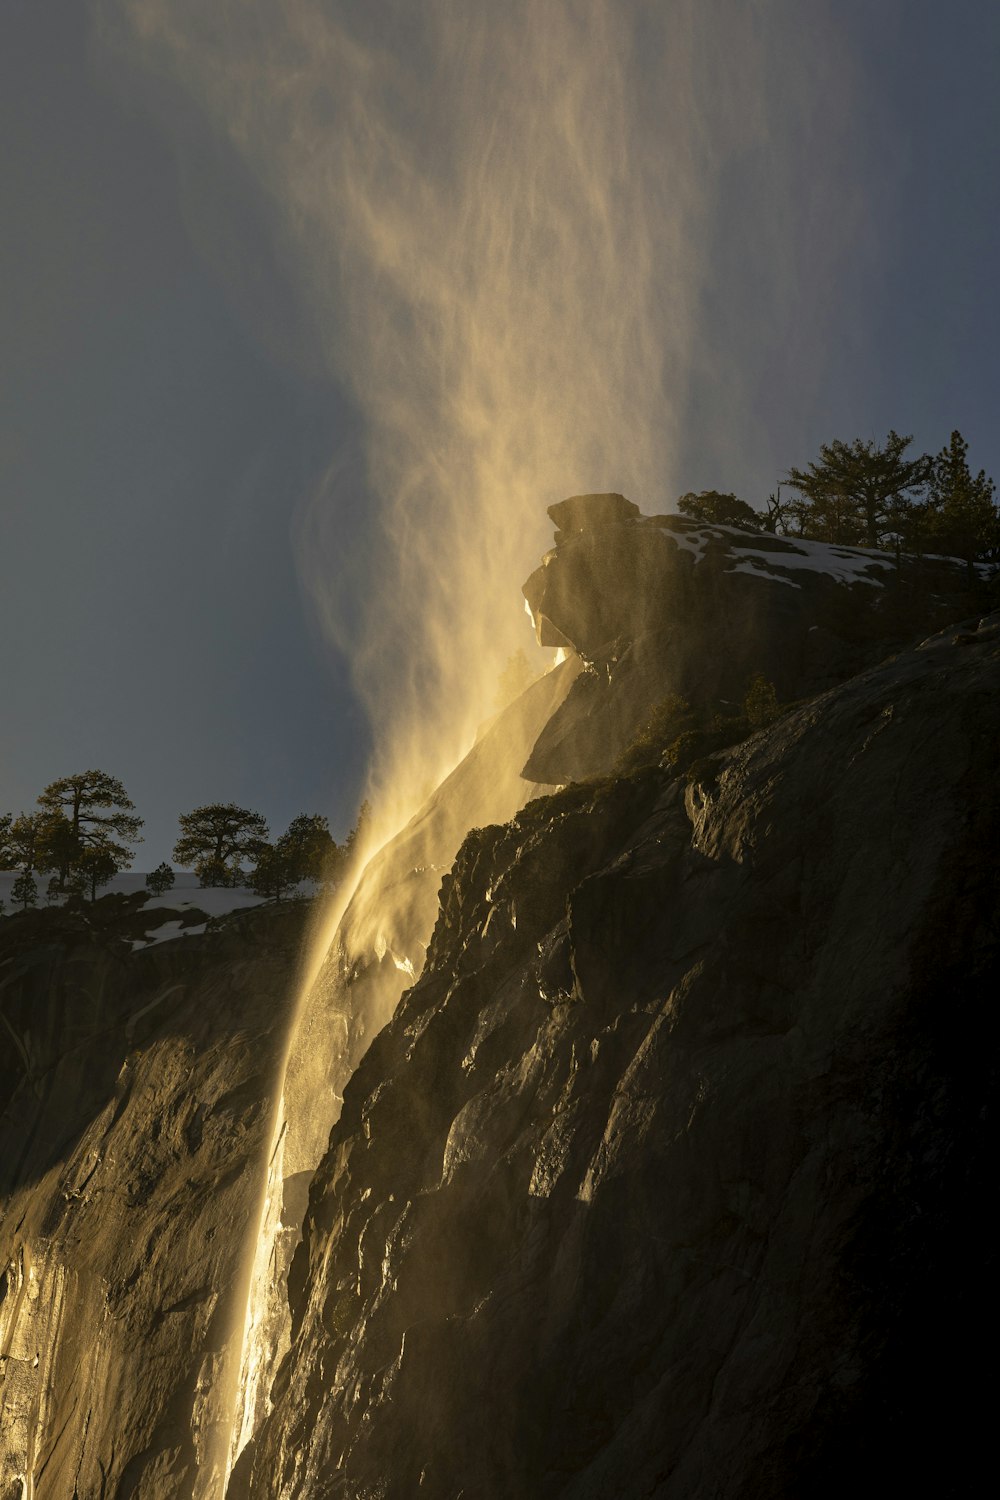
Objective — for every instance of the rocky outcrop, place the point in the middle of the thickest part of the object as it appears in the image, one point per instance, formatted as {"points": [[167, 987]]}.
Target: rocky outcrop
{"points": [[667, 1177], [656, 605], [136, 1092]]}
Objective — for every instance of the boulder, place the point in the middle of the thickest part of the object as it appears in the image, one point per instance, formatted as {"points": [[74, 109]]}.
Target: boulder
{"points": [[580, 512]]}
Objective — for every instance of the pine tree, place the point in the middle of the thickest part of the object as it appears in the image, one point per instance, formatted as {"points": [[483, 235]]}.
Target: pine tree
{"points": [[273, 874], [27, 843], [89, 813], [305, 851], [96, 867], [216, 838], [858, 493], [962, 520], [760, 706], [160, 880], [309, 846], [24, 890]]}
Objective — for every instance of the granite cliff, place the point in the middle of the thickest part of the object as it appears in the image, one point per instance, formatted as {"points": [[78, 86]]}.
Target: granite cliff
{"points": [[665, 1175], [137, 1089]]}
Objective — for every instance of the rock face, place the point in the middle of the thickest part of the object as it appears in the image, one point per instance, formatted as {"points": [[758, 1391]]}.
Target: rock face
{"points": [[137, 1090], [668, 1176], [659, 604]]}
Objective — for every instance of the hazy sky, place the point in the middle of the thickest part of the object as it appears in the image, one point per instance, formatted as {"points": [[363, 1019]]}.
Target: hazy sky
{"points": [[170, 410]]}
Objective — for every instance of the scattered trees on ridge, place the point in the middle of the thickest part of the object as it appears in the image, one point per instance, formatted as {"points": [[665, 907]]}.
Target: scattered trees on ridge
{"points": [[219, 839], [84, 831], [85, 826], [867, 494]]}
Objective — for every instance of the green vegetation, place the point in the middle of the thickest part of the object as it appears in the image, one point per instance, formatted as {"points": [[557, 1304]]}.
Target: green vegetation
{"points": [[680, 738], [760, 706], [962, 519], [24, 891]]}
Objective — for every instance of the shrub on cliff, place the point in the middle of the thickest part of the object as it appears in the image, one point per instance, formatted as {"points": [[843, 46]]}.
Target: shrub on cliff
{"points": [[672, 718], [760, 706], [719, 508]]}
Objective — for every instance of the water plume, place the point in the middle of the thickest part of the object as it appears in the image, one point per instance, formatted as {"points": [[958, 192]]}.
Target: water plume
{"points": [[496, 215]]}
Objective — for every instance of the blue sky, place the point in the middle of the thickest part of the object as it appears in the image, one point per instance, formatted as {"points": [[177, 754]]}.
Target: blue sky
{"points": [[166, 413]]}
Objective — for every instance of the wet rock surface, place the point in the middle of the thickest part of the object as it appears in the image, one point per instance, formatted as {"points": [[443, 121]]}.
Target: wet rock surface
{"points": [[377, 951], [669, 1175], [136, 1096]]}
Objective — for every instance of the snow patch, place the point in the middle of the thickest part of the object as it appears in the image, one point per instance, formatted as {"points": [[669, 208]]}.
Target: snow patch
{"points": [[166, 931], [845, 564], [755, 568]]}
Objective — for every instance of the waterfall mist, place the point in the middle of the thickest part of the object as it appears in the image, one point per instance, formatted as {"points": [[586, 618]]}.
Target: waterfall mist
{"points": [[497, 218]]}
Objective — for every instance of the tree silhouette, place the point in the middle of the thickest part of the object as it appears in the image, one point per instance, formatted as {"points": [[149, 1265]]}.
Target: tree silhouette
{"points": [[858, 492], [216, 838], [962, 518], [305, 851], [719, 508], [27, 843], [96, 867], [88, 814], [160, 880], [24, 890]]}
